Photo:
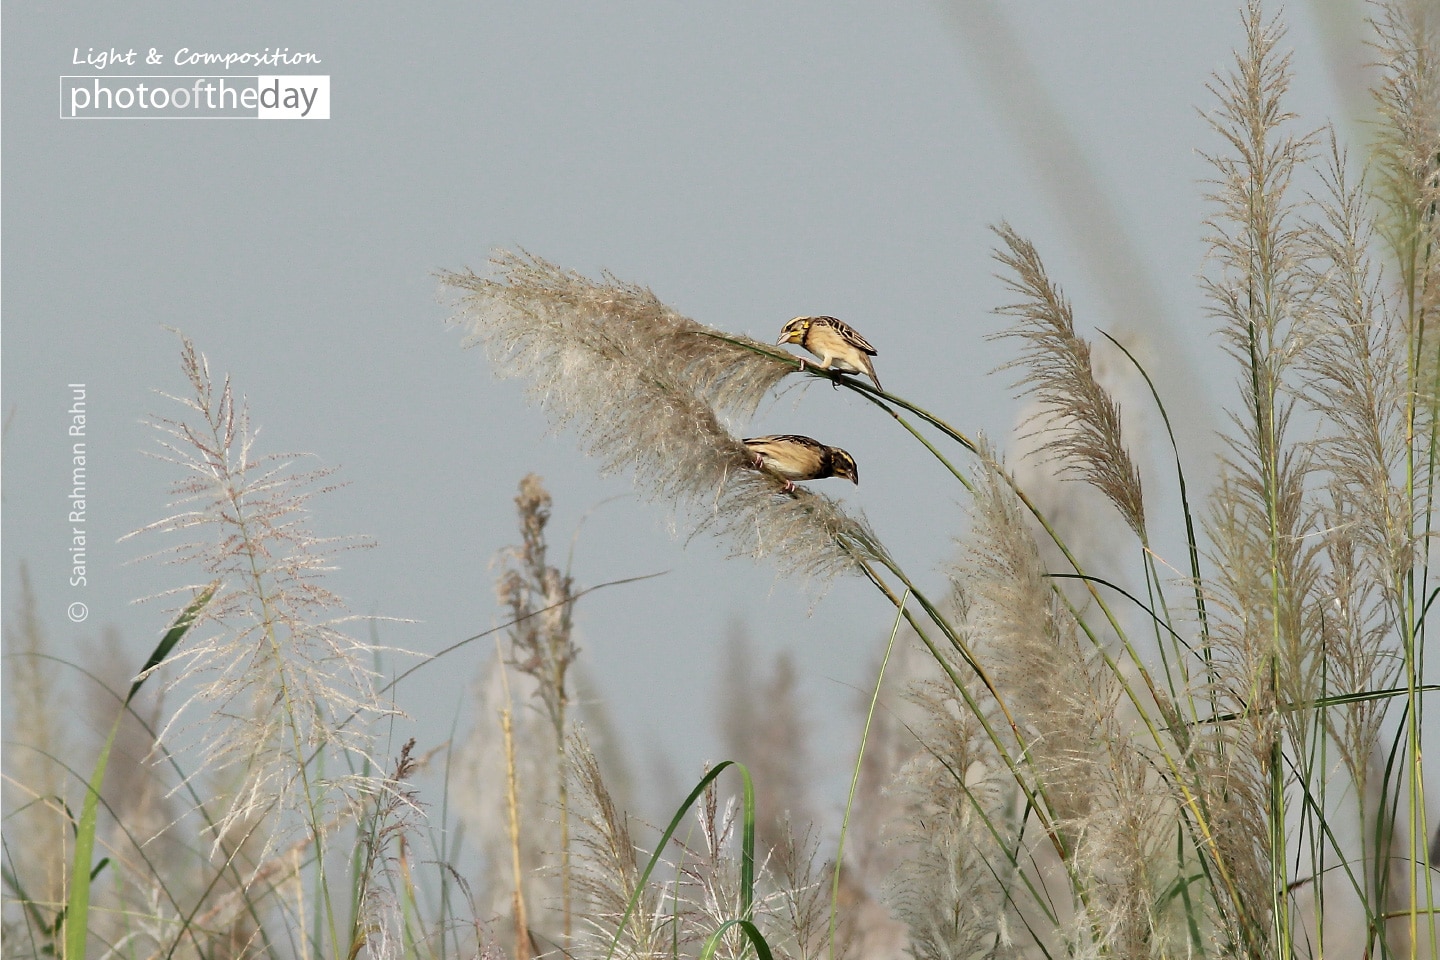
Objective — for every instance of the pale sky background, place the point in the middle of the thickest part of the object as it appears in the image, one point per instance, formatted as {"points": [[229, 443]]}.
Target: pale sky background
{"points": [[747, 161]]}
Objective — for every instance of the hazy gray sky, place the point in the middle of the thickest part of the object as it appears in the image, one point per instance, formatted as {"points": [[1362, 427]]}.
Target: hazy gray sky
{"points": [[747, 161]]}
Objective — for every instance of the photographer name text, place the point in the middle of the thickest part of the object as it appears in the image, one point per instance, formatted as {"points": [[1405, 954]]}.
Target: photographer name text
{"points": [[77, 485]]}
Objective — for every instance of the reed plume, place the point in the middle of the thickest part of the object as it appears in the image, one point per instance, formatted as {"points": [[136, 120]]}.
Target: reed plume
{"points": [[950, 884], [607, 871], [34, 785], [1407, 165], [1081, 419], [394, 815], [647, 389], [1266, 566], [1354, 370], [275, 680], [540, 599], [1107, 807]]}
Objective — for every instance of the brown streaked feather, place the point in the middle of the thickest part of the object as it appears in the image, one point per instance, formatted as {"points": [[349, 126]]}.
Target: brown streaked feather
{"points": [[847, 333], [837, 344], [795, 457]]}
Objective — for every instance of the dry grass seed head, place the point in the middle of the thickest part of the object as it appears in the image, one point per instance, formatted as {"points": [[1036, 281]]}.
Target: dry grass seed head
{"points": [[540, 600], [1067, 702], [1082, 417], [34, 781], [949, 886], [1408, 147], [1254, 237], [1029, 642], [607, 871], [1266, 598], [265, 663], [1355, 368], [646, 386], [395, 814]]}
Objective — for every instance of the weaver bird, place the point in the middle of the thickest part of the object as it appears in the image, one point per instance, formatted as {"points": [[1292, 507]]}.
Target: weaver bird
{"points": [[792, 458], [835, 342]]}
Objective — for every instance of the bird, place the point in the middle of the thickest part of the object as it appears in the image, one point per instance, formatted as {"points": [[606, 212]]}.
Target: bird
{"points": [[792, 457], [835, 342]]}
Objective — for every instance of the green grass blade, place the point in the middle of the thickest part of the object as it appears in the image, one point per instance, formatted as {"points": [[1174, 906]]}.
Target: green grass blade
{"points": [[77, 902], [747, 862], [172, 636], [747, 847], [752, 932]]}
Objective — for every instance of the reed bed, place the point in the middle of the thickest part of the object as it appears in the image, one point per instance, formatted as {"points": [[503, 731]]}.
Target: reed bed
{"points": [[1212, 749]]}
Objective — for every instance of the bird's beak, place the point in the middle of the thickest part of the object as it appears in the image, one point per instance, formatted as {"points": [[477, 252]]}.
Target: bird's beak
{"points": [[784, 338]]}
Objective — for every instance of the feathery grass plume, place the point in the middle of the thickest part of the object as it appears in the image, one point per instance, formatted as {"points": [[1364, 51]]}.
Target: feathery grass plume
{"points": [[1083, 419], [1030, 643], [540, 599], [1254, 236], [1125, 852], [801, 903], [276, 680], [34, 785], [1085, 764], [708, 889], [607, 871], [950, 888], [1263, 600], [1408, 177], [1358, 639], [1266, 594], [487, 768], [1239, 762], [1354, 363], [791, 902], [674, 916], [647, 388], [394, 814], [1408, 155]]}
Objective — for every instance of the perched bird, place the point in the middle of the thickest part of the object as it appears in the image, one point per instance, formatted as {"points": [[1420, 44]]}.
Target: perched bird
{"points": [[794, 458], [835, 342]]}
